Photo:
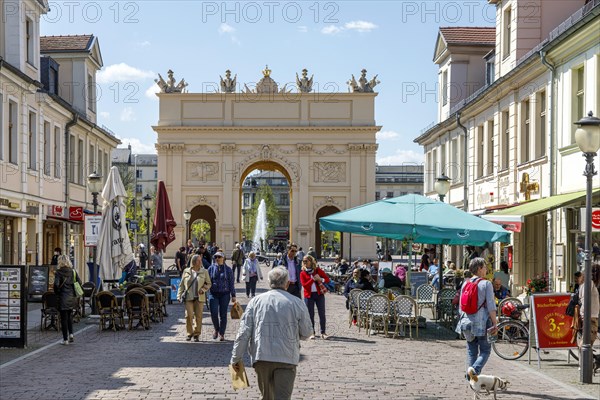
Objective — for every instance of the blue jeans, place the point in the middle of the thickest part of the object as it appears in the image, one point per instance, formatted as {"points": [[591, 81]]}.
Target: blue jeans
{"points": [[319, 300], [478, 352], [218, 303]]}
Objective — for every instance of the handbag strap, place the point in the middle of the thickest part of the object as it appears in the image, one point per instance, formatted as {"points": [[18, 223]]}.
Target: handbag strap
{"points": [[191, 283]]}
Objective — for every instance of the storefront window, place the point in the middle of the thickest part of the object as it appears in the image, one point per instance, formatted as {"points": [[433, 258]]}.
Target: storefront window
{"points": [[6, 240]]}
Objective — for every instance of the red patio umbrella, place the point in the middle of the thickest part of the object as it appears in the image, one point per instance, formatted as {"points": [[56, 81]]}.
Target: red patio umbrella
{"points": [[162, 228]]}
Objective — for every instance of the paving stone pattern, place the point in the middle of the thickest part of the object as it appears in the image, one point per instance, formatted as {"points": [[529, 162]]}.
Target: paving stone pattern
{"points": [[160, 364]]}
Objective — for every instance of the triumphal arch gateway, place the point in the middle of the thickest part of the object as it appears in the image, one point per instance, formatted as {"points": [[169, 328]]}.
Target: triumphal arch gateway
{"points": [[323, 143]]}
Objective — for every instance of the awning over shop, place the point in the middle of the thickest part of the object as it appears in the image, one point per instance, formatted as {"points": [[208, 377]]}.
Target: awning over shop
{"points": [[16, 214], [512, 218]]}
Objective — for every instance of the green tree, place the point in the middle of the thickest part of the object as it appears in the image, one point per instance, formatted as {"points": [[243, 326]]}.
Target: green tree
{"points": [[263, 192], [201, 229]]}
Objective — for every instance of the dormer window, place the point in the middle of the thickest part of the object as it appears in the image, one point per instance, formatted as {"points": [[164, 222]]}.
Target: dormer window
{"points": [[29, 40], [91, 91], [506, 31]]}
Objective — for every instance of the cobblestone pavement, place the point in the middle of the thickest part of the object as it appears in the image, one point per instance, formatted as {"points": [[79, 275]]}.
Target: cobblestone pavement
{"points": [[160, 364]]}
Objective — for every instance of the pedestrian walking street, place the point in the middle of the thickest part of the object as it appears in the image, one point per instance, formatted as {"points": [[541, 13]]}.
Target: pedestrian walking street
{"points": [[160, 364]]}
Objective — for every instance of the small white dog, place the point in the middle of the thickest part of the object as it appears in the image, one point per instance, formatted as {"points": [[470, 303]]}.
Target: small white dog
{"points": [[486, 383]]}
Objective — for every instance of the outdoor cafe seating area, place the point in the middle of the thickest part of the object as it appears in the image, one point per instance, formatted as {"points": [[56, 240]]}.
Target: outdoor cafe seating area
{"points": [[135, 303]]}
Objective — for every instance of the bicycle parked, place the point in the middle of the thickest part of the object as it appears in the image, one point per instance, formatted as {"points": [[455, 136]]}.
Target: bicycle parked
{"points": [[513, 330]]}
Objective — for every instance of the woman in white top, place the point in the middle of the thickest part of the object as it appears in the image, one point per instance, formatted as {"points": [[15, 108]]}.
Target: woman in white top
{"points": [[251, 273]]}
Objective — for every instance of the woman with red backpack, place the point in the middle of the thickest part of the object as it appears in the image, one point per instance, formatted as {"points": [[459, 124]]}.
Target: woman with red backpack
{"points": [[477, 311]]}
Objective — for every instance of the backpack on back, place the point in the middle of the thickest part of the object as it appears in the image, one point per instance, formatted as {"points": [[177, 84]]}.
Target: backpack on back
{"points": [[469, 297]]}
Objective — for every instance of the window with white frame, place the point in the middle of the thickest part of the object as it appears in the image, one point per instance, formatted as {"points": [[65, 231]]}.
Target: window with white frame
{"points": [[47, 149], [32, 130], [71, 160], [92, 166], [13, 132], [246, 200], [506, 32], [578, 81], [479, 144], [155, 174], [29, 41], [91, 92], [444, 88], [80, 162], [540, 142], [57, 152], [489, 148], [459, 159], [525, 131], [138, 188], [106, 165], [443, 165], [433, 170], [138, 173], [505, 141], [99, 165]]}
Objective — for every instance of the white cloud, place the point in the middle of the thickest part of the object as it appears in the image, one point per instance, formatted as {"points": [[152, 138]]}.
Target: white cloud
{"points": [[105, 114], [331, 30], [401, 157], [122, 73], [360, 26], [303, 29], [127, 115], [145, 43], [139, 147], [226, 29], [151, 91], [387, 135]]}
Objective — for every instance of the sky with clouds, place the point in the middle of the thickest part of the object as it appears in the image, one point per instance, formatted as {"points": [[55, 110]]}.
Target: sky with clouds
{"points": [[199, 40]]}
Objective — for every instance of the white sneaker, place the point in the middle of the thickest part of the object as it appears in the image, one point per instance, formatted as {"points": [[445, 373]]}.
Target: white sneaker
{"points": [[64, 342], [71, 338], [312, 337]]}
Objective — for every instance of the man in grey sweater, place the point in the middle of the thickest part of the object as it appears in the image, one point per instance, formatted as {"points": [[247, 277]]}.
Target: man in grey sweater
{"points": [[270, 330]]}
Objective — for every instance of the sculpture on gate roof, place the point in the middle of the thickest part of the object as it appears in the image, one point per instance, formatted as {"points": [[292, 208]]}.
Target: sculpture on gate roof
{"points": [[304, 85], [169, 86], [363, 86], [228, 84]]}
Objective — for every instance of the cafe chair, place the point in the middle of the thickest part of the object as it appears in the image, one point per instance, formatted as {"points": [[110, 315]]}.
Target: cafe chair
{"points": [[159, 285], [154, 303], [136, 304], [133, 286], [353, 306], [363, 298], [446, 308], [88, 291], [378, 313], [425, 298], [404, 310], [108, 309], [50, 316]]}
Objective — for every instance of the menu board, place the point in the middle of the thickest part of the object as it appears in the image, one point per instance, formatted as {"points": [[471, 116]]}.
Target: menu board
{"points": [[12, 306], [417, 279]]}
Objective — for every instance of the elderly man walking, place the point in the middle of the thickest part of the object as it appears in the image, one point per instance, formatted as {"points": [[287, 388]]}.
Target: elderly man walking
{"points": [[271, 329]]}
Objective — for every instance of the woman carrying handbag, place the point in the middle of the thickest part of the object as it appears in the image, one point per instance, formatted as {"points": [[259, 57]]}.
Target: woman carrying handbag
{"points": [[312, 279], [64, 287]]}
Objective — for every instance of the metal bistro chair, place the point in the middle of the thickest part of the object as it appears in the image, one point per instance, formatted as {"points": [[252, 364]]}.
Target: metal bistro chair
{"points": [[108, 309], [405, 312], [353, 306], [163, 295], [137, 308], [363, 298], [378, 312], [425, 298], [50, 316], [446, 308], [88, 290]]}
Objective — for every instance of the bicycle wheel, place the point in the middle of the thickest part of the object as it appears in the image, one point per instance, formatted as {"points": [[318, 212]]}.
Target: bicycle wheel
{"points": [[513, 340]]}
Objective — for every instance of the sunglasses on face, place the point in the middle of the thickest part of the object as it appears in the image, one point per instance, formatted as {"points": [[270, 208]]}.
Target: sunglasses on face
{"points": [[217, 257], [293, 251]]}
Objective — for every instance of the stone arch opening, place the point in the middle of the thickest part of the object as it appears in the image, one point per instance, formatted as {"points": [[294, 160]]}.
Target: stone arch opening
{"points": [[324, 212], [206, 214], [284, 203]]}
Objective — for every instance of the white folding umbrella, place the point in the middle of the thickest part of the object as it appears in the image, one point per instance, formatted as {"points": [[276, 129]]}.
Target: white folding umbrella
{"points": [[114, 246]]}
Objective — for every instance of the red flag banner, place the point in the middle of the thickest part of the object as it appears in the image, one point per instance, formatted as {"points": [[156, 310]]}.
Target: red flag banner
{"points": [[163, 231]]}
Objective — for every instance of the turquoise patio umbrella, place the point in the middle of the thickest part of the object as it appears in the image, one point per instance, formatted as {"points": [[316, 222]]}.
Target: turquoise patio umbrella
{"points": [[418, 219]]}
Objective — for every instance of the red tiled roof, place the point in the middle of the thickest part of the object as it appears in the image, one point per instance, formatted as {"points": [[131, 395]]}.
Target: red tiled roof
{"points": [[469, 35], [59, 44]]}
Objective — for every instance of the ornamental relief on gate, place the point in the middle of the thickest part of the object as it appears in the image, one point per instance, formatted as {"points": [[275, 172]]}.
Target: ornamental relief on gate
{"points": [[329, 172], [202, 171]]}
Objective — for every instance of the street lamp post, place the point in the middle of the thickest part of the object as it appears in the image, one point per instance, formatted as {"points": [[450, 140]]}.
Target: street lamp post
{"points": [[587, 137], [94, 182], [442, 187], [147, 203], [187, 215]]}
